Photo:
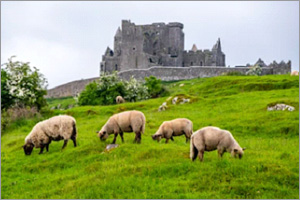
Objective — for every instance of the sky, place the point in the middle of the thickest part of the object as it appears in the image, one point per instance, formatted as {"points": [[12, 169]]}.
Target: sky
{"points": [[66, 40]]}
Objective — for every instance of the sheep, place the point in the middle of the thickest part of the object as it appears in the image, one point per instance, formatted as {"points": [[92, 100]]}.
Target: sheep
{"points": [[119, 100], [175, 127], [211, 138], [128, 121], [295, 73], [56, 128]]}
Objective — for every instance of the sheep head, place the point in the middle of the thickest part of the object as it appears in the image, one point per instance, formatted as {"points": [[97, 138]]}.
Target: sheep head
{"points": [[28, 148]]}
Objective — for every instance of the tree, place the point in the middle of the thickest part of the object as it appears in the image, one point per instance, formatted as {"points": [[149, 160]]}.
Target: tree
{"points": [[155, 87], [23, 86]]}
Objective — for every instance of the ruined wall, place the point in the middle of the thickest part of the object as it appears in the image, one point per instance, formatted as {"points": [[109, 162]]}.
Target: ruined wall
{"points": [[69, 89], [182, 73], [166, 74]]}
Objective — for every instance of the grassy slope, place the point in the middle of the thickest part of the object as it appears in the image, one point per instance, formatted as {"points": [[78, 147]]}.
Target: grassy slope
{"points": [[269, 168]]}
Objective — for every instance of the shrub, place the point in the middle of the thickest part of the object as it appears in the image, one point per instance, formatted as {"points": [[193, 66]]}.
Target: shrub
{"points": [[233, 73], [155, 88], [135, 90], [22, 86], [254, 71], [103, 91]]}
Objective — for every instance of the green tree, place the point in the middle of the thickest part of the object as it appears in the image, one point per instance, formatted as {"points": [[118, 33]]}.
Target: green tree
{"points": [[102, 92], [6, 98], [155, 88], [23, 86]]}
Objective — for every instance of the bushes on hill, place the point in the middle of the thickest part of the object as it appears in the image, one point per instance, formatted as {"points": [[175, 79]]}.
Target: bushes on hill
{"points": [[254, 70], [108, 87], [22, 91], [21, 86], [155, 88]]}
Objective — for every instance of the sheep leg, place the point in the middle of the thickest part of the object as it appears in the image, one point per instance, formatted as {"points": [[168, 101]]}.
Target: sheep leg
{"points": [[201, 153], [47, 147], [172, 138], [115, 138], [42, 149], [195, 153], [65, 144], [220, 153], [74, 141], [138, 137], [121, 135], [167, 140]]}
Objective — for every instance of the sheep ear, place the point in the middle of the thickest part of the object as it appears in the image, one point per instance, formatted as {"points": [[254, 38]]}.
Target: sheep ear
{"points": [[235, 150], [244, 148], [96, 131]]}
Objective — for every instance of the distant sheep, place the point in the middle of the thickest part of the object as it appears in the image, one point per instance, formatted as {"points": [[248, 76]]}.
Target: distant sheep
{"points": [[175, 127], [128, 121], [211, 138], [163, 107], [119, 100], [295, 73], [62, 127]]}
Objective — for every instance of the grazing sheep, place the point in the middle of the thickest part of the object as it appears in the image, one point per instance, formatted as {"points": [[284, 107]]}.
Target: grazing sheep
{"points": [[119, 100], [295, 73], [163, 107], [175, 127], [211, 138], [56, 128], [128, 121]]}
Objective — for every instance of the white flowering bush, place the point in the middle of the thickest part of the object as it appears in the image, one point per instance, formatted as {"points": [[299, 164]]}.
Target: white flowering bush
{"points": [[108, 87], [254, 70], [136, 90], [22, 86]]}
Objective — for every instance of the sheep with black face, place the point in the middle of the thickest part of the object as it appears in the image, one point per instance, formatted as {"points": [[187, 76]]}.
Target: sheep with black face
{"points": [[62, 127]]}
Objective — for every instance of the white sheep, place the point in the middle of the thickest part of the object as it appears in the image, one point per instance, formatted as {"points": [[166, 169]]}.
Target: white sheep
{"points": [[128, 121], [175, 127], [211, 138], [62, 127], [119, 100]]}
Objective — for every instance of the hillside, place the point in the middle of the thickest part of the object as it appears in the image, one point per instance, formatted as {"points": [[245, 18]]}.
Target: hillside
{"points": [[269, 168]]}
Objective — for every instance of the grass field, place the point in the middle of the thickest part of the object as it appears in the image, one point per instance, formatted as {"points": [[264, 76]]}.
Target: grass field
{"points": [[268, 169]]}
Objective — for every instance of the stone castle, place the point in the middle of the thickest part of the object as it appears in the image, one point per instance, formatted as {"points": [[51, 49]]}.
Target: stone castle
{"points": [[158, 50], [157, 44]]}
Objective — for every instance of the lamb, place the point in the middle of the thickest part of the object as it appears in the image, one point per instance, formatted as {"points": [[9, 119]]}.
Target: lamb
{"points": [[175, 127], [119, 100], [56, 128], [128, 121], [211, 138]]}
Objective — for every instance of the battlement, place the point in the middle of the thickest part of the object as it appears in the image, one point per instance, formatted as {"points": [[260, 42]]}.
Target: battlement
{"points": [[175, 24]]}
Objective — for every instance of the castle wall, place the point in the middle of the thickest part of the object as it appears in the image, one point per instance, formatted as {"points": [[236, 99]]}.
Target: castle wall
{"points": [[165, 74], [182, 73], [69, 89]]}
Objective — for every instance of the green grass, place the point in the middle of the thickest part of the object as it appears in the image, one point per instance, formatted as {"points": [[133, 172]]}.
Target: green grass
{"points": [[64, 102], [269, 168]]}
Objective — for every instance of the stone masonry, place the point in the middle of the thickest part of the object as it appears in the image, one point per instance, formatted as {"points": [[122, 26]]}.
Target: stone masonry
{"points": [[157, 44], [158, 50]]}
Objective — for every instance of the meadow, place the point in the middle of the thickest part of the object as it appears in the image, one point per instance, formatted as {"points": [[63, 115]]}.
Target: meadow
{"points": [[269, 168]]}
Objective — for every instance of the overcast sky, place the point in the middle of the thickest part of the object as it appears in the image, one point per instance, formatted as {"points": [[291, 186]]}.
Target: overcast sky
{"points": [[66, 40]]}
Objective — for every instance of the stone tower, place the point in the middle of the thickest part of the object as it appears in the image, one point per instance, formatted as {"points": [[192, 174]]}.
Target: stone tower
{"points": [[157, 44]]}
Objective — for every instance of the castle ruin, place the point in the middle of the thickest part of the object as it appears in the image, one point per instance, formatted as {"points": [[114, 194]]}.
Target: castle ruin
{"points": [[157, 44], [158, 50]]}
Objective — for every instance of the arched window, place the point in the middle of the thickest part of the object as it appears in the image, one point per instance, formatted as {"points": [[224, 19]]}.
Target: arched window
{"points": [[191, 63], [201, 63], [116, 67]]}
